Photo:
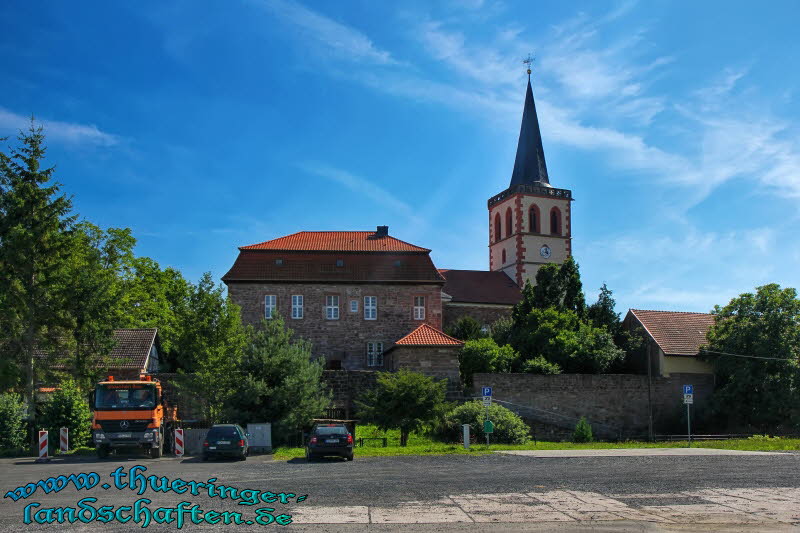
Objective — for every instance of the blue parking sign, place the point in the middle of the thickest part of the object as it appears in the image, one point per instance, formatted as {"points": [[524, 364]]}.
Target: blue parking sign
{"points": [[487, 391], [688, 389]]}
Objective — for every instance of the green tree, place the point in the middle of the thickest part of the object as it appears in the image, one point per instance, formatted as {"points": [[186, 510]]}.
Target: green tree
{"points": [[603, 313], [484, 355], [155, 298], [212, 341], [557, 286], [758, 393], [563, 339], [95, 264], [509, 428], [12, 426], [404, 400], [501, 328], [466, 328], [68, 408], [277, 380], [35, 225]]}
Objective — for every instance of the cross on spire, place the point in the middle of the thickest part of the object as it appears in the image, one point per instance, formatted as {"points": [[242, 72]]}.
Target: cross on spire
{"points": [[528, 61]]}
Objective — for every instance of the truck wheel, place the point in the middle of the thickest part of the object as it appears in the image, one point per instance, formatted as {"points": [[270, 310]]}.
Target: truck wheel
{"points": [[102, 451], [156, 453]]}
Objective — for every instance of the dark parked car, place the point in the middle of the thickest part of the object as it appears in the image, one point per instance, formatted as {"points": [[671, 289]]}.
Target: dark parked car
{"points": [[330, 439], [226, 440]]}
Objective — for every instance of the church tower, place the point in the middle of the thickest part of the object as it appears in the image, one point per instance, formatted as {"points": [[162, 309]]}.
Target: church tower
{"points": [[530, 221]]}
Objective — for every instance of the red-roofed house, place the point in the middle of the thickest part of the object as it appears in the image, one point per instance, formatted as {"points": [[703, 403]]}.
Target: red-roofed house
{"points": [[427, 350], [352, 294], [673, 340]]}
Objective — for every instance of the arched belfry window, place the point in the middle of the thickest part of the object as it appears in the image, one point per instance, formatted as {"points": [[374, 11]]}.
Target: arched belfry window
{"points": [[533, 219], [555, 221], [497, 230], [508, 222]]}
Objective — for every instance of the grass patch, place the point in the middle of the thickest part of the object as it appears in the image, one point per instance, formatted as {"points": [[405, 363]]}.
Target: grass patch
{"points": [[423, 445]]}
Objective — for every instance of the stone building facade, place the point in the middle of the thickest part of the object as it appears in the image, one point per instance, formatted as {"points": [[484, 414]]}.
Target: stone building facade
{"points": [[351, 294]]}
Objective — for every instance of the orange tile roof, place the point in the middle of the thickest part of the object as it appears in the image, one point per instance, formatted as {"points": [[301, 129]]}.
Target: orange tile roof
{"points": [[336, 241], [675, 332], [427, 335]]}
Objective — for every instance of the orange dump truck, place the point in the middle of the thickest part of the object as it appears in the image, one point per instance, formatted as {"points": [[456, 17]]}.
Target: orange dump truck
{"points": [[132, 414]]}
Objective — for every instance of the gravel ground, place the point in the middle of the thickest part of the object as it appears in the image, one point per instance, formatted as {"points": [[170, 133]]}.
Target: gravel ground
{"points": [[386, 482]]}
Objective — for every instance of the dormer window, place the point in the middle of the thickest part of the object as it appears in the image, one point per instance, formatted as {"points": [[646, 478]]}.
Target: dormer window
{"points": [[279, 262], [340, 262]]}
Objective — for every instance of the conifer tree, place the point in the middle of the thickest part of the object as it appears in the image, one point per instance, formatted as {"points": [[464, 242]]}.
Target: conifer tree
{"points": [[35, 222]]}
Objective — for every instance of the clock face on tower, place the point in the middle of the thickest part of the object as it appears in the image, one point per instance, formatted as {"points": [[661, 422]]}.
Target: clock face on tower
{"points": [[545, 251]]}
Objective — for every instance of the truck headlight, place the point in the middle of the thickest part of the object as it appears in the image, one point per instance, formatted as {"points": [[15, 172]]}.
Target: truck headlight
{"points": [[150, 434], [99, 435]]}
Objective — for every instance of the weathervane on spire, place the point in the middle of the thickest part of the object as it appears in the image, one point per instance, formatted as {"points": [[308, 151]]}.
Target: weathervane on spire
{"points": [[527, 61]]}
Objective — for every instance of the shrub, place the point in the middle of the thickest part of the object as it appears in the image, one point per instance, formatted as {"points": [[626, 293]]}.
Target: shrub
{"points": [[70, 409], [583, 431], [12, 425], [484, 355], [540, 365], [509, 428]]}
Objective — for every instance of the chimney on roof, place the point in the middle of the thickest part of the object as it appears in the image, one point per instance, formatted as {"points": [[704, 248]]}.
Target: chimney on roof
{"points": [[382, 231]]}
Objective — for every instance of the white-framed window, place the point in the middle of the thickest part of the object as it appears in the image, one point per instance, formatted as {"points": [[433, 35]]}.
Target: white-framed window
{"points": [[419, 308], [374, 354], [297, 306], [354, 306], [269, 305], [370, 307], [332, 307]]}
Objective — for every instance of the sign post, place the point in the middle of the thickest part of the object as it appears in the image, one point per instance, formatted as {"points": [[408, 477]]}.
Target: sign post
{"points": [[465, 431], [487, 401], [688, 399], [64, 440]]}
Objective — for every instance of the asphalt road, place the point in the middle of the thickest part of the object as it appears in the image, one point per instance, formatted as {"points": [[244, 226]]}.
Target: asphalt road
{"points": [[450, 489]]}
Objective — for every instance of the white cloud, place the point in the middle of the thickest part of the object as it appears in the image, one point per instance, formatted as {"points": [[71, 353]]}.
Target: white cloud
{"points": [[337, 38], [68, 132], [361, 186]]}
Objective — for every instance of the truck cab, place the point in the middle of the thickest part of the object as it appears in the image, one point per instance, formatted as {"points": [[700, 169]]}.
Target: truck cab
{"points": [[131, 414]]}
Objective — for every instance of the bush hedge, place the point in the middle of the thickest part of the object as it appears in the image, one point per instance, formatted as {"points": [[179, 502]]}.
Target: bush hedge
{"points": [[508, 426], [12, 425]]}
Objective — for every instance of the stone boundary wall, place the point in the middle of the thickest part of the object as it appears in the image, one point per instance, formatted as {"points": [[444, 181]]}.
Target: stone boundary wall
{"points": [[347, 386], [615, 403]]}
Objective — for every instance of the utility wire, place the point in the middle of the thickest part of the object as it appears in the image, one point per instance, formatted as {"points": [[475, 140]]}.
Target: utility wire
{"points": [[749, 356]]}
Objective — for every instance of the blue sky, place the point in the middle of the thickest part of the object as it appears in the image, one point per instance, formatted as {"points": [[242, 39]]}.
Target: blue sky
{"points": [[204, 126]]}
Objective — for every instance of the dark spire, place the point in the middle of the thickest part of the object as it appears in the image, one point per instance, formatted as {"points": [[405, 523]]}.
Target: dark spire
{"points": [[529, 167]]}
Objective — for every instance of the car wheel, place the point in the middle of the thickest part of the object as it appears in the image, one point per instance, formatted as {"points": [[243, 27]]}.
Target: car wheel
{"points": [[243, 457], [350, 457], [102, 451], [205, 457]]}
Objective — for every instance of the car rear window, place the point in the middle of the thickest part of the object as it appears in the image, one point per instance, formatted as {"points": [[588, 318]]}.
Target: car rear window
{"points": [[331, 431], [223, 433]]}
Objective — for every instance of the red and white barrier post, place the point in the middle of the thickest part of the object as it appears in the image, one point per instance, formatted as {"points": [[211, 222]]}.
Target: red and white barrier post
{"points": [[43, 444], [64, 439], [179, 442]]}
